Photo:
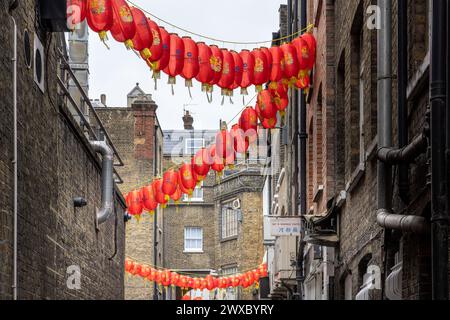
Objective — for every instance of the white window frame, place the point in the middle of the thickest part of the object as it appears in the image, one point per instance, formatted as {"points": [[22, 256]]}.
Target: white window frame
{"points": [[197, 195], [188, 249], [230, 293], [229, 222], [188, 145]]}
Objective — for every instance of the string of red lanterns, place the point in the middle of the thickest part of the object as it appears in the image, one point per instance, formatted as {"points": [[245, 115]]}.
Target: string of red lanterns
{"points": [[289, 63], [167, 278]]}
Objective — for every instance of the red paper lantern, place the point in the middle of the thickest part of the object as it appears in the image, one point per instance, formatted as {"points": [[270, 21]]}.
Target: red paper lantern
{"points": [[241, 143], [216, 63], [248, 70], [187, 177], [183, 283], [258, 112], [170, 182], [224, 144], [238, 70], [303, 54], [156, 48], [312, 45], [148, 199], [205, 73], [158, 276], [124, 27], [137, 269], [190, 282], [143, 38], [129, 265], [277, 70], [227, 78], [256, 274], [151, 276], [263, 270], [268, 55], [235, 281], [100, 17], [145, 271], [217, 163], [191, 64], [201, 163], [176, 60], [261, 70], [76, 12], [290, 61], [166, 277], [209, 282], [134, 203], [266, 104], [176, 197], [162, 63], [197, 283], [186, 297], [249, 120], [303, 81], [160, 196], [250, 278], [174, 279], [280, 96]]}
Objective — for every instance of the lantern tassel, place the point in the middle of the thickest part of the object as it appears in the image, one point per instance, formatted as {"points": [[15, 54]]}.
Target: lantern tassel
{"points": [[259, 88], [104, 37], [129, 44], [188, 84], [223, 100]]}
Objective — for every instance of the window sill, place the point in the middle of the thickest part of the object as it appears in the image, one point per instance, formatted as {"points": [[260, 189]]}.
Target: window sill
{"points": [[356, 177], [228, 239], [193, 252]]}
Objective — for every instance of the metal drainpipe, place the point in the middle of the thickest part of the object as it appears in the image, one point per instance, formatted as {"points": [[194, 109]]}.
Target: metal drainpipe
{"points": [[12, 7], [303, 139], [155, 216], [402, 119], [107, 153], [439, 188]]}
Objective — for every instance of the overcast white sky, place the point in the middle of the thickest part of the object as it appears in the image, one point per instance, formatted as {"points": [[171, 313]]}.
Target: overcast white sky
{"points": [[115, 72]]}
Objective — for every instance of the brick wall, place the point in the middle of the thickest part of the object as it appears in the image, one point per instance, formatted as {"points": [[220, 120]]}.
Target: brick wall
{"points": [[56, 164], [133, 131]]}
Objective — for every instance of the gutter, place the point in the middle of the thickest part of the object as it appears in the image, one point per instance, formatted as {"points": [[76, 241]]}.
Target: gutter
{"points": [[107, 153]]}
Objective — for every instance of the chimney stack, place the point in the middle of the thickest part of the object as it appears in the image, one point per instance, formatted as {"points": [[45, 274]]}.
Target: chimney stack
{"points": [[103, 99], [188, 121]]}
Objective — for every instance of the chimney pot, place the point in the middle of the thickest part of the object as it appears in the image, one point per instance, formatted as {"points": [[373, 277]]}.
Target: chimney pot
{"points": [[103, 99]]}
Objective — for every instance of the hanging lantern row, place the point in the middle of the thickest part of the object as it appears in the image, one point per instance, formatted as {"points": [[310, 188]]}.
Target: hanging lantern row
{"points": [[167, 278], [177, 182], [210, 65]]}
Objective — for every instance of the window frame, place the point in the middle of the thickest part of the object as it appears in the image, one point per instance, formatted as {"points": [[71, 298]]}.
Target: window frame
{"points": [[188, 145], [232, 217], [196, 199], [193, 250]]}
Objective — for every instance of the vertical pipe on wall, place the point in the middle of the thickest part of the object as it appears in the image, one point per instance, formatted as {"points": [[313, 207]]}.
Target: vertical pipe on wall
{"points": [[439, 188], [303, 136], [384, 100], [155, 216], [13, 6], [402, 76]]}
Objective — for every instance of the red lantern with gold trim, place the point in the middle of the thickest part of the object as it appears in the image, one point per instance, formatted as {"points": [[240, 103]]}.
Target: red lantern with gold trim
{"points": [[134, 203], [201, 163], [151, 276], [76, 12], [312, 45], [224, 144], [238, 70], [217, 163], [258, 112], [100, 17], [129, 265], [303, 55], [166, 277], [162, 63], [160, 196], [176, 60], [277, 70], [227, 78], [124, 27], [241, 143], [176, 197], [197, 283], [158, 276], [148, 199], [248, 70], [170, 182], [263, 270], [303, 81], [235, 281], [183, 283], [143, 38], [187, 177], [156, 48], [266, 104], [145, 271], [261, 70], [174, 279], [191, 64], [205, 73], [249, 123], [268, 55], [280, 96], [137, 269], [216, 63], [256, 274], [290, 61]]}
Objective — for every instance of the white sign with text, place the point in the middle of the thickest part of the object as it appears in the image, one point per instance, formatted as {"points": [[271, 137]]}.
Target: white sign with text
{"points": [[280, 227]]}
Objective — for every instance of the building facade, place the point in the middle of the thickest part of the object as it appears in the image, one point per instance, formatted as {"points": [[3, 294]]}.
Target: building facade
{"points": [[137, 133], [62, 253]]}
